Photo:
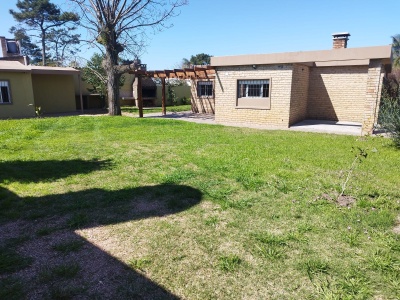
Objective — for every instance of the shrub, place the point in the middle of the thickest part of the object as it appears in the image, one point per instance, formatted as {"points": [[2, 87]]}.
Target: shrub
{"points": [[389, 114]]}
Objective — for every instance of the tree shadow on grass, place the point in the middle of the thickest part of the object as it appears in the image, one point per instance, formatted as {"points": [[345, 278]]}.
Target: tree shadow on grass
{"points": [[50, 260], [47, 170]]}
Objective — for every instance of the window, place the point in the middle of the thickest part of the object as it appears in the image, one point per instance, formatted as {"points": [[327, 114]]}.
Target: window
{"points": [[4, 92], [253, 93], [204, 89]]}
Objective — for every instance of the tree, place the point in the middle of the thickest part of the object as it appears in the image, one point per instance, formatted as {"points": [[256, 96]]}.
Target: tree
{"points": [[198, 59], [41, 16], [27, 47], [64, 44], [118, 27], [94, 74], [396, 50]]}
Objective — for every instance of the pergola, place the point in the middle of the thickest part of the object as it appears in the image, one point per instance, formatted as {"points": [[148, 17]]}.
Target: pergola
{"points": [[194, 73]]}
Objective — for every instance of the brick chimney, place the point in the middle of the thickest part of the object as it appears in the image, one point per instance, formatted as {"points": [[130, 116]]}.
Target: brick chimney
{"points": [[340, 40]]}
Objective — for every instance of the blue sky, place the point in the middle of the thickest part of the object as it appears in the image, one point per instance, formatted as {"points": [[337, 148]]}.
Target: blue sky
{"points": [[229, 27]]}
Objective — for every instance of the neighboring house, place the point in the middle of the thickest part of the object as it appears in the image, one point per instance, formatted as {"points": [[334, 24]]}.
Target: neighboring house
{"points": [[25, 87], [285, 88]]}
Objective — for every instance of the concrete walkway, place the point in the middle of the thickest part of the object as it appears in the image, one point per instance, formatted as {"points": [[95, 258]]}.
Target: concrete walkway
{"points": [[346, 128]]}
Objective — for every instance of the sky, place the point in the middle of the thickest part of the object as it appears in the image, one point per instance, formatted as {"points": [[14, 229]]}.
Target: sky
{"points": [[231, 27]]}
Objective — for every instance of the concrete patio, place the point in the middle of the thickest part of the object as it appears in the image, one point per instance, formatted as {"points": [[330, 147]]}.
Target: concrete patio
{"points": [[346, 128]]}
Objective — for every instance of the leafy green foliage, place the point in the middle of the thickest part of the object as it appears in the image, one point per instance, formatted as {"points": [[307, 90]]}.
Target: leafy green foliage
{"points": [[197, 60], [95, 75], [389, 111], [396, 50], [229, 263], [41, 16]]}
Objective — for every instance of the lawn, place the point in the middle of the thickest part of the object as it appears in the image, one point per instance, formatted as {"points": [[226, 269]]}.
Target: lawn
{"points": [[147, 110], [127, 208]]}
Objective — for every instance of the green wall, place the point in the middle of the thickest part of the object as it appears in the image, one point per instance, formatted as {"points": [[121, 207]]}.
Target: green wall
{"points": [[54, 93], [22, 100]]}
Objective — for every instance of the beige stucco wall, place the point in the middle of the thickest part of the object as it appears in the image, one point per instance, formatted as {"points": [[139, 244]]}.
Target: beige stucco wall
{"points": [[299, 94], [22, 100], [280, 92], [54, 93], [337, 93], [180, 92]]}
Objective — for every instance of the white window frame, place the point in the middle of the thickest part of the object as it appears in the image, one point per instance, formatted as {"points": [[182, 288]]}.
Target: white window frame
{"points": [[5, 85], [249, 97], [205, 83]]}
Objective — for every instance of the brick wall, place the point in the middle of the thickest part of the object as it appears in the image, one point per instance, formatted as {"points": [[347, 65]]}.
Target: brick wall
{"points": [[299, 94], [202, 105], [226, 110], [337, 93], [372, 96]]}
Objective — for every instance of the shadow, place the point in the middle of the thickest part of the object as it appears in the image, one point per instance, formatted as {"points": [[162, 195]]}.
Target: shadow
{"points": [[47, 170], [36, 225], [320, 105]]}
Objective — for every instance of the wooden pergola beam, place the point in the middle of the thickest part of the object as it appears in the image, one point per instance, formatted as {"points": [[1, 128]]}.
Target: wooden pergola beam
{"points": [[185, 73]]}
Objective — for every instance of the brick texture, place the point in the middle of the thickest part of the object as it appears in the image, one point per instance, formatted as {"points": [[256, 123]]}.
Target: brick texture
{"points": [[299, 94], [226, 110], [202, 105], [337, 93], [373, 95]]}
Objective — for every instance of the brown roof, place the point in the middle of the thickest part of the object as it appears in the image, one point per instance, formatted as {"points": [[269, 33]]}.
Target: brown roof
{"points": [[345, 56]]}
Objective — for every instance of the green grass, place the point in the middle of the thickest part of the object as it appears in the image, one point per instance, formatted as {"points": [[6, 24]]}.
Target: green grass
{"points": [[148, 110], [195, 211]]}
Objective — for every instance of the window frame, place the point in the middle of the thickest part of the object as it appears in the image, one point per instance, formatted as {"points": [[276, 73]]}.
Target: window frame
{"points": [[199, 83], [253, 102], [7, 84]]}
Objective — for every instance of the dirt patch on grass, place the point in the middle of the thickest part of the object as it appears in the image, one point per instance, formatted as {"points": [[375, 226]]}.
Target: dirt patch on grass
{"points": [[345, 200]]}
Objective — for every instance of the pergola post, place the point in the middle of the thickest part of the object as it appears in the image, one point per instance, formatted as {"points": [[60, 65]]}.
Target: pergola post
{"points": [[139, 96], [80, 90], [164, 110]]}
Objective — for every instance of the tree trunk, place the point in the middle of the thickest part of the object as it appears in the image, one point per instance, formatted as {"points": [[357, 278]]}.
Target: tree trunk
{"points": [[43, 47], [112, 85]]}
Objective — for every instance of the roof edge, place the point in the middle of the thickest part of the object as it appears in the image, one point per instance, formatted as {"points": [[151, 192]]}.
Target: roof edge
{"points": [[345, 54]]}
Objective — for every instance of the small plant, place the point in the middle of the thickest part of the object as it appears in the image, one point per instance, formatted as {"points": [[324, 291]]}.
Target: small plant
{"points": [[352, 238], [140, 263], [229, 263], [211, 221], [38, 111], [171, 96], [314, 267], [272, 253], [185, 100], [360, 154], [354, 285]]}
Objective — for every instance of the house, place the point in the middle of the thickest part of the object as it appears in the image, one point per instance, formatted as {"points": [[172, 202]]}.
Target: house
{"points": [[281, 89], [25, 87]]}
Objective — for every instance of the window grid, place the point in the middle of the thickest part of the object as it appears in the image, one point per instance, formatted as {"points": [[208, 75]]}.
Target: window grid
{"points": [[253, 88], [204, 89], [4, 92]]}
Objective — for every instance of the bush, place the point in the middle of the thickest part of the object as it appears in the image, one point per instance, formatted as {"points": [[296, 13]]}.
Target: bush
{"points": [[185, 100], [389, 114]]}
